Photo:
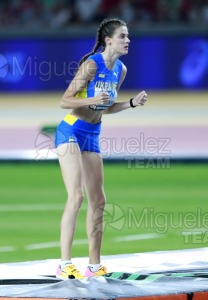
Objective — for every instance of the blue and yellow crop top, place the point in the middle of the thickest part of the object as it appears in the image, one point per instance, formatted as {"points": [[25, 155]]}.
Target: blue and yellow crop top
{"points": [[105, 80]]}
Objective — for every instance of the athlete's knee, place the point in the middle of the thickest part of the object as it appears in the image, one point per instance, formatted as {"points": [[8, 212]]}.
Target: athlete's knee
{"points": [[98, 199], [75, 198], [78, 199]]}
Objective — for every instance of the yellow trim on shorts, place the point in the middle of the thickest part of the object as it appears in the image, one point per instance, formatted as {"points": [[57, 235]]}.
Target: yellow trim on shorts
{"points": [[70, 119]]}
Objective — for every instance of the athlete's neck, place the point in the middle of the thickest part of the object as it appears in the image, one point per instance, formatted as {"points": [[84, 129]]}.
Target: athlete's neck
{"points": [[110, 58]]}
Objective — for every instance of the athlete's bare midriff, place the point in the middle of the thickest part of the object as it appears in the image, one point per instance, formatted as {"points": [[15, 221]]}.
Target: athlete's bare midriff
{"points": [[88, 115]]}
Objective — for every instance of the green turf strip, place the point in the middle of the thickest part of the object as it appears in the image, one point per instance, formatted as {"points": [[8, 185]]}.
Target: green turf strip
{"points": [[161, 201]]}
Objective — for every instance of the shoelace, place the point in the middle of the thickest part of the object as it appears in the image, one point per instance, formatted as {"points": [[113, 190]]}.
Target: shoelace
{"points": [[75, 271]]}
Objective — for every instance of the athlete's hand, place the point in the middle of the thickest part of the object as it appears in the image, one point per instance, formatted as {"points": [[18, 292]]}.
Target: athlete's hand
{"points": [[101, 98], [140, 99]]}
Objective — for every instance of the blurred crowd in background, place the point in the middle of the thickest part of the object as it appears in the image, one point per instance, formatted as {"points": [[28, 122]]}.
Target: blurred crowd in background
{"points": [[57, 14]]}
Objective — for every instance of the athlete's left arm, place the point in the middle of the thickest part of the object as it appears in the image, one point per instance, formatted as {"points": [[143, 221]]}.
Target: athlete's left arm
{"points": [[138, 100]]}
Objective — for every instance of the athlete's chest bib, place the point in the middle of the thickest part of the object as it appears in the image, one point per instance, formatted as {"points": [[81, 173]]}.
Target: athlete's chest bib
{"points": [[105, 81]]}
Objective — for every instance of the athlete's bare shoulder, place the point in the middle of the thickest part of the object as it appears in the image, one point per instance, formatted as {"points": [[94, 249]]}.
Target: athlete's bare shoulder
{"points": [[87, 70]]}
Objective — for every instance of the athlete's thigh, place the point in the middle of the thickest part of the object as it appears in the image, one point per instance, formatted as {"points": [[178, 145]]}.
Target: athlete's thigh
{"points": [[69, 157], [92, 167]]}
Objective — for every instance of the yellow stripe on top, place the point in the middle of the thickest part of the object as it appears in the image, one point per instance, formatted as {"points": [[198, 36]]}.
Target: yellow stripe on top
{"points": [[70, 119], [82, 94]]}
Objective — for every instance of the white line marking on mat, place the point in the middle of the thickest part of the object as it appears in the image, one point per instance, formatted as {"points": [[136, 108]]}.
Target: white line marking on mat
{"points": [[83, 242], [33, 207], [135, 237], [53, 245], [30, 207], [7, 249]]}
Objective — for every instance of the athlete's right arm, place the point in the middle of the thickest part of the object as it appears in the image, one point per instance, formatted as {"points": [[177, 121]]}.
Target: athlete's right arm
{"points": [[85, 74]]}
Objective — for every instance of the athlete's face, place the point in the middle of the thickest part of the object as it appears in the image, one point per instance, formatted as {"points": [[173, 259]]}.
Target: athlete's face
{"points": [[120, 41]]}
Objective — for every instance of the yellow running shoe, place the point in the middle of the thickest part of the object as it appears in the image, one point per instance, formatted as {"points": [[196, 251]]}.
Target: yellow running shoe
{"points": [[68, 272], [102, 271]]}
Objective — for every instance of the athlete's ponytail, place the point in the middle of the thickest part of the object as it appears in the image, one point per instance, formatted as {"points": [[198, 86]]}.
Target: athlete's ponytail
{"points": [[106, 28], [95, 49]]}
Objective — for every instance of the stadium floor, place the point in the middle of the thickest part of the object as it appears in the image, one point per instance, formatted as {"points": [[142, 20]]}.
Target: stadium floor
{"points": [[174, 123]]}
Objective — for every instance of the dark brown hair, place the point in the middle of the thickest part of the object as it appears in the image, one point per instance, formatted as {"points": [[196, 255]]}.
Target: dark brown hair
{"points": [[106, 28]]}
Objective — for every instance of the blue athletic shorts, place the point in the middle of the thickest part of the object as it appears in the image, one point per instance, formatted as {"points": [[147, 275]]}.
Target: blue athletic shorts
{"points": [[73, 130]]}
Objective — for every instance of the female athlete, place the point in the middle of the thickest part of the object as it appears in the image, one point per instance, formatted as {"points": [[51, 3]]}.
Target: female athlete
{"points": [[92, 92]]}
